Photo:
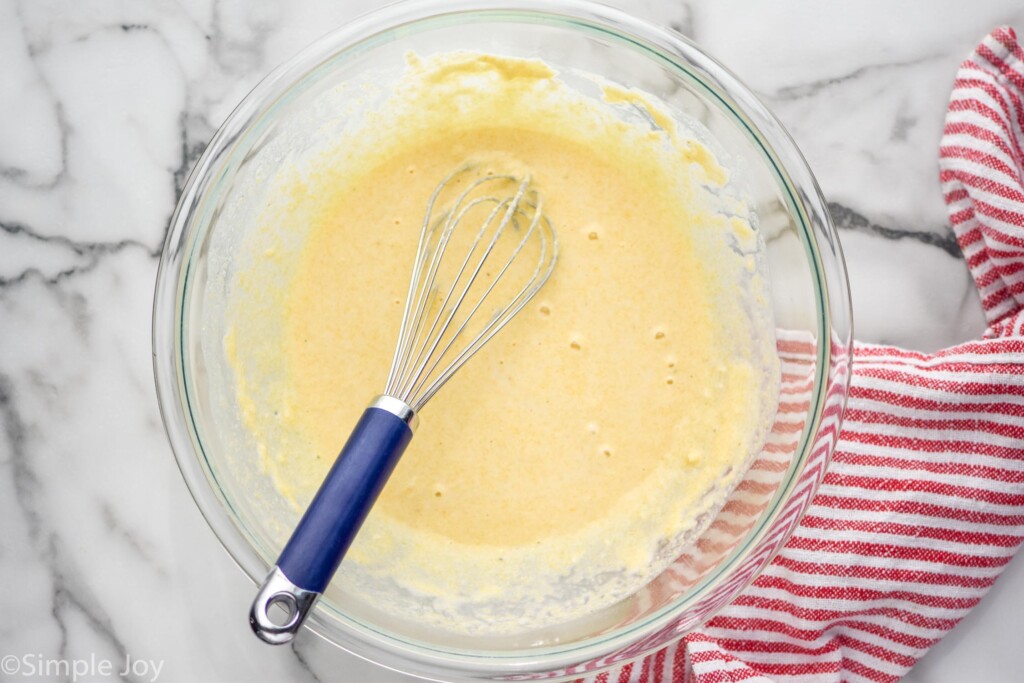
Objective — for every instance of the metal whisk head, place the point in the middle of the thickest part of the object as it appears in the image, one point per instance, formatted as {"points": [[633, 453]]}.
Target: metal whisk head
{"points": [[481, 257]]}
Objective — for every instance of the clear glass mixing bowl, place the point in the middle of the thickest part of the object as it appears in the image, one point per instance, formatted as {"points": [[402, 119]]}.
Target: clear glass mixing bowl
{"points": [[810, 298]]}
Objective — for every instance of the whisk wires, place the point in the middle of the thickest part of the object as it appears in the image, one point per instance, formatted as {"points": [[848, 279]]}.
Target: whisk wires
{"points": [[478, 262]]}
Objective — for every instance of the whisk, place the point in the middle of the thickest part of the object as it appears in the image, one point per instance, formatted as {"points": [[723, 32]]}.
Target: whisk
{"points": [[479, 261]]}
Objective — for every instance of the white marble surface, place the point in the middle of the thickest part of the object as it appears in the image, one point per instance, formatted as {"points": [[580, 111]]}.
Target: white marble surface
{"points": [[105, 106]]}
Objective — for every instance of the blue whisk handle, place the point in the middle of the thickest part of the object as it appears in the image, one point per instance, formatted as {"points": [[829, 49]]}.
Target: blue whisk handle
{"points": [[340, 506], [327, 529]]}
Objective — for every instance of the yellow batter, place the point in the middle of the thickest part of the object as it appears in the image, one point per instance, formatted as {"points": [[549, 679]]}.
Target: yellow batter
{"points": [[590, 437]]}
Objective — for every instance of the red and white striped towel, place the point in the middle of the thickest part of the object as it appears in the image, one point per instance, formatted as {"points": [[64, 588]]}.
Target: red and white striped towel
{"points": [[923, 503]]}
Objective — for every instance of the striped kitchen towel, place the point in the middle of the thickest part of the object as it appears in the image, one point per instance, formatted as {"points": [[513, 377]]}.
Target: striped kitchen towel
{"points": [[923, 503]]}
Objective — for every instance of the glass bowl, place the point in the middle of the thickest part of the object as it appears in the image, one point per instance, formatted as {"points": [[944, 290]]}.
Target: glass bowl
{"points": [[810, 300]]}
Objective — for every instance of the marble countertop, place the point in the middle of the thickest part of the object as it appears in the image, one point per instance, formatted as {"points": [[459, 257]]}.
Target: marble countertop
{"points": [[105, 108]]}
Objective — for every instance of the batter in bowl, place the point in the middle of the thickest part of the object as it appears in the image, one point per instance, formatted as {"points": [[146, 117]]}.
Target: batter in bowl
{"points": [[576, 455]]}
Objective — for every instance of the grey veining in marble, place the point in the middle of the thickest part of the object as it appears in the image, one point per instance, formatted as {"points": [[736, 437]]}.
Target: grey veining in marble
{"points": [[105, 107]]}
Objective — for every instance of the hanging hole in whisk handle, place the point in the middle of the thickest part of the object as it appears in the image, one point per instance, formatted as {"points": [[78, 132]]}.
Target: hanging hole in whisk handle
{"points": [[280, 608]]}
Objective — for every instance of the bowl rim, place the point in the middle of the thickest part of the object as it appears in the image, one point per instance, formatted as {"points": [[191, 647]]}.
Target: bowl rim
{"points": [[173, 275]]}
